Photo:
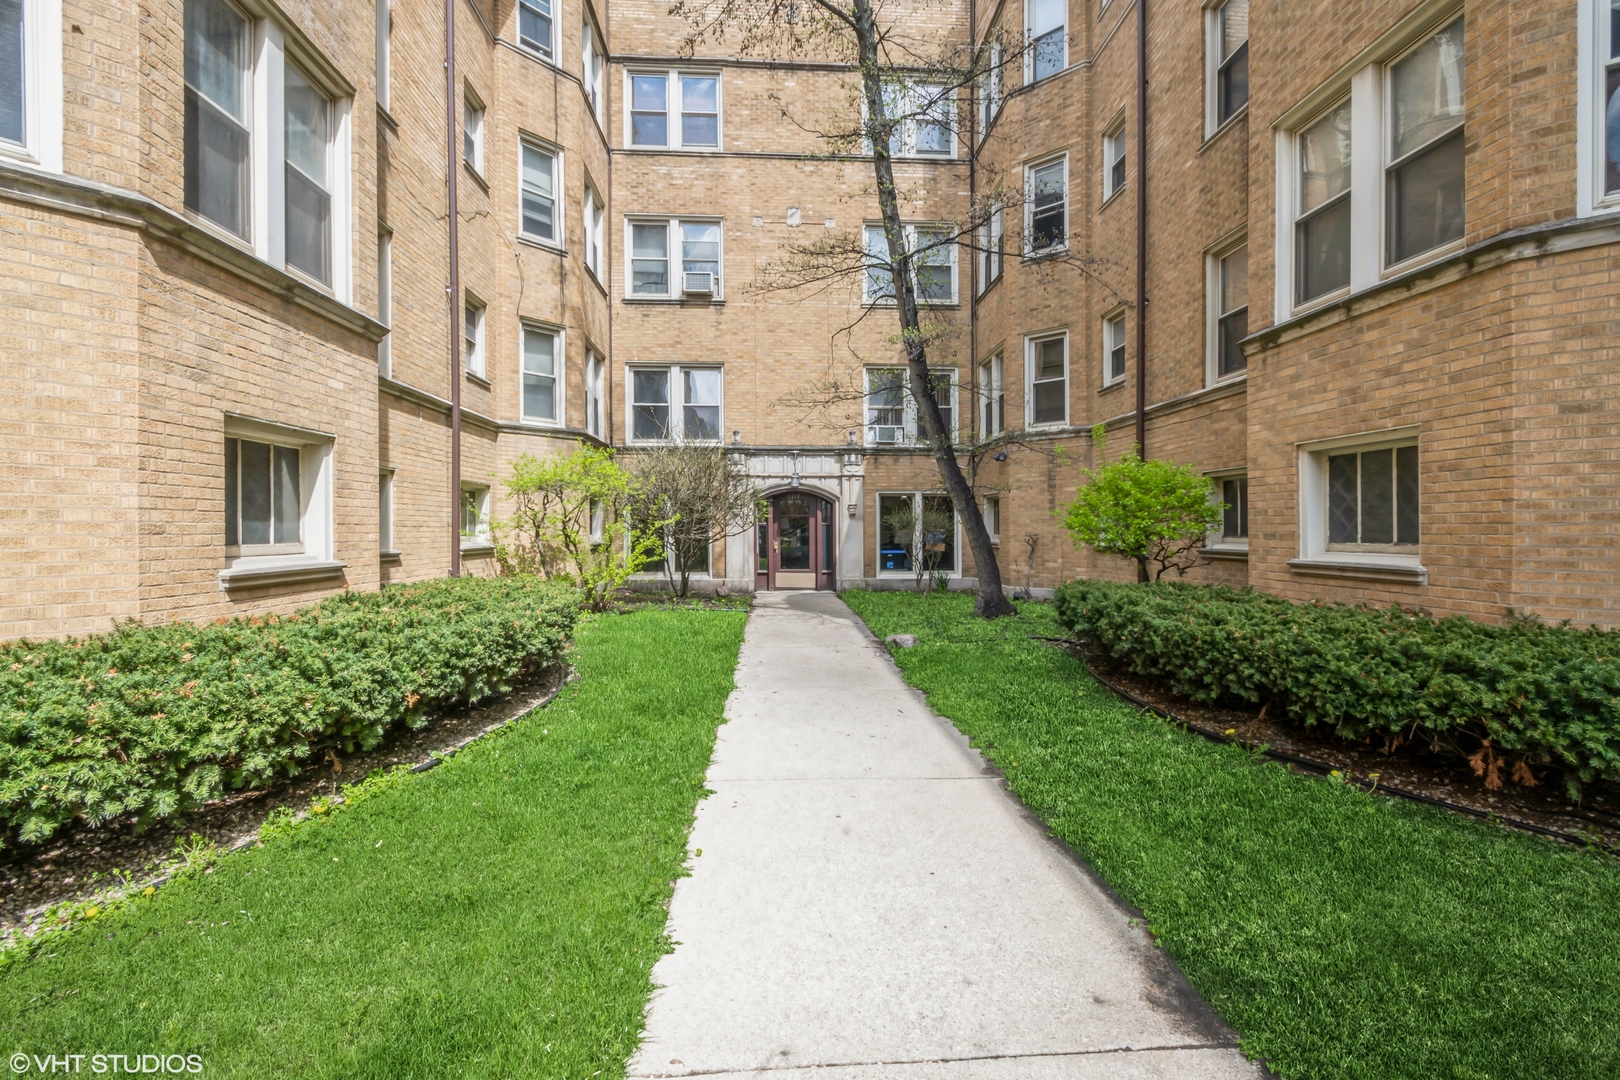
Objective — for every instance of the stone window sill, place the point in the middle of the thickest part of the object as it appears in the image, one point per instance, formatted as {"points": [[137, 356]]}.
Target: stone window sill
{"points": [[476, 549], [1371, 566], [1238, 552], [258, 570]]}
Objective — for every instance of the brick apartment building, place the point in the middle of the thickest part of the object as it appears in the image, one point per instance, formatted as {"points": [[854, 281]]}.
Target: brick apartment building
{"points": [[1380, 281]]}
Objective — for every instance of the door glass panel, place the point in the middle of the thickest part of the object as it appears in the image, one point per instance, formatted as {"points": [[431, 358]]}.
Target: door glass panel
{"points": [[793, 522]]}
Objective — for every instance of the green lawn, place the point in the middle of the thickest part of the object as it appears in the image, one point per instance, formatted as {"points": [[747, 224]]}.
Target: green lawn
{"points": [[1341, 934], [495, 917]]}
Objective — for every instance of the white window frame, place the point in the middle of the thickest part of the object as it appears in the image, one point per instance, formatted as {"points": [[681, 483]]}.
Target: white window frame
{"points": [[1115, 318], [472, 130], [592, 71], [1116, 150], [41, 144], [1314, 550], [677, 403], [385, 300], [595, 405], [552, 53], [992, 90], [593, 221], [992, 396], [1214, 268], [676, 274], [315, 519], [558, 206], [916, 497], [559, 373], [993, 247], [1030, 38], [385, 512], [909, 231], [992, 518], [1218, 541], [910, 99], [1214, 41], [909, 423], [1032, 343], [475, 319], [479, 538], [1591, 110], [384, 46], [1365, 87], [673, 109], [1030, 251]]}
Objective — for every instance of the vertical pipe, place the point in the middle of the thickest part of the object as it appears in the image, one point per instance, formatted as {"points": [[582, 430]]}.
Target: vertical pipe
{"points": [[1141, 241], [454, 289]]}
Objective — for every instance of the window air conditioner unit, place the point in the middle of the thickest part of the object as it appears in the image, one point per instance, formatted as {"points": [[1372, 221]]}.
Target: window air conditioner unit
{"points": [[888, 433], [697, 283]]}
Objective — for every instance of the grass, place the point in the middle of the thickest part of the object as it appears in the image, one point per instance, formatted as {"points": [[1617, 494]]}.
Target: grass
{"points": [[497, 916], [1343, 935]]}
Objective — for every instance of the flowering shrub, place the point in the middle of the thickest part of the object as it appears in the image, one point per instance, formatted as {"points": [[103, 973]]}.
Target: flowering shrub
{"points": [[151, 720], [1510, 698]]}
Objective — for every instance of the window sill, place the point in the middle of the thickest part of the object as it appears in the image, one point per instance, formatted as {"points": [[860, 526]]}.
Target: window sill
{"points": [[542, 243], [1225, 125], [646, 148], [477, 549], [1369, 566], [540, 425], [1228, 380], [474, 377], [256, 570], [1045, 253], [1112, 195], [388, 120], [1115, 385], [1422, 259], [477, 177], [677, 301], [1225, 552], [389, 556]]}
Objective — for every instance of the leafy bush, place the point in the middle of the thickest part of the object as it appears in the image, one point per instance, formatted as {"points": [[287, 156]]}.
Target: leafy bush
{"points": [[151, 720], [1509, 698]]}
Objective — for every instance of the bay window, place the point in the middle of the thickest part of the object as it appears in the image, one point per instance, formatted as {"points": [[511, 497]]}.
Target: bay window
{"points": [[594, 369], [1424, 177], [591, 69], [592, 215], [1322, 228], [217, 141], [538, 187], [678, 403], [542, 376], [1229, 311]]}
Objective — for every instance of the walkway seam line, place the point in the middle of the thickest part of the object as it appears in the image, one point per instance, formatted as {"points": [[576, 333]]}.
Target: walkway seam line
{"points": [[1098, 1051]]}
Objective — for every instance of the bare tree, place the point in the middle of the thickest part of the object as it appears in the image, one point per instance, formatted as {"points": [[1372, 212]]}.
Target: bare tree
{"points": [[906, 79], [702, 493]]}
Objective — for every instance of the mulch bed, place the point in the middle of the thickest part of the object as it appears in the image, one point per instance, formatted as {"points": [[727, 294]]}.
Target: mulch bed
{"points": [[1413, 769], [80, 862]]}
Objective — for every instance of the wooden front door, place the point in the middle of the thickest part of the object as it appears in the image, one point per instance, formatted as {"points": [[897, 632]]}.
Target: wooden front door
{"points": [[796, 544]]}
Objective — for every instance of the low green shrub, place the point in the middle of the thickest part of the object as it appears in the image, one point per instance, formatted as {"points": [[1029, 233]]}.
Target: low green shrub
{"points": [[1510, 698], [152, 720]]}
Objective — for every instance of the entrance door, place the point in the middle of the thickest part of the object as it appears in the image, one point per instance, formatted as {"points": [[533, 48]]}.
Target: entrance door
{"points": [[796, 543]]}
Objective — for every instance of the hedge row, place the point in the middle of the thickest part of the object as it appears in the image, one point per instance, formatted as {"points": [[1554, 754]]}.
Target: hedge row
{"points": [[1542, 695], [152, 720]]}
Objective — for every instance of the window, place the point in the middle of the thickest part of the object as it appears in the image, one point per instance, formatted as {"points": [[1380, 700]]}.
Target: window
{"points": [[1229, 38], [542, 387], [598, 512], [1048, 380], [217, 180], [992, 398], [1113, 348], [309, 182], [891, 414], [992, 238], [1230, 290], [923, 119], [696, 96], [472, 331], [593, 394], [1114, 160], [699, 244], [472, 132], [534, 25], [678, 403], [591, 70], [1047, 227], [264, 502], [1049, 48], [1424, 178], [539, 192], [1235, 518], [991, 93], [385, 29], [1373, 498], [385, 299], [1322, 229], [385, 512], [916, 532], [593, 232], [933, 264], [13, 72], [474, 517], [992, 517]]}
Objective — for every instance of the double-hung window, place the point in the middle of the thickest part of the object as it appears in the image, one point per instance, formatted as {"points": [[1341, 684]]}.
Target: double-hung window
{"points": [[1229, 310], [384, 45], [1113, 348], [385, 299], [1599, 144], [1235, 518], [1047, 27], [1114, 159], [385, 512], [591, 69], [932, 252], [677, 403], [1047, 376], [218, 179], [1375, 181], [594, 370], [1046, 222], [534, 25], [538, 185], [472, 132], [655, 244], [692, 97], [992, 398], [542, 375], [474, 516], [263, 498], [1228, 36], [1424, 177], [891, 414], [309, 177], [592, 214], [991, 91], [992, 238], [472, 333], [922, 119]]}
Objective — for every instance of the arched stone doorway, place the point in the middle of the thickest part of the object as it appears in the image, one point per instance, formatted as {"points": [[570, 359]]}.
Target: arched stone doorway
{"points": [[795, 543]]}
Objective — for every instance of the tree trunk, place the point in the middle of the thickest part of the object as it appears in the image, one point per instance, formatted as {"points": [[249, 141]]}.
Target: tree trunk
{"points": [[991, 602]]}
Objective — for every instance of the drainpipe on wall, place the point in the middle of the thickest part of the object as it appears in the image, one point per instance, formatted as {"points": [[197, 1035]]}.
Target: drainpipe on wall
{"points": [[1141, 240], [454, 289]]}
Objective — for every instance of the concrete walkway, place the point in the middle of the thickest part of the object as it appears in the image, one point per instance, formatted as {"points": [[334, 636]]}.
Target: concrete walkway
{"points": [[871, 903]]}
